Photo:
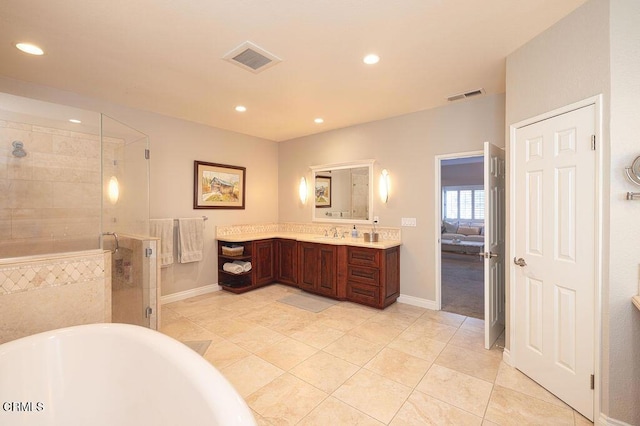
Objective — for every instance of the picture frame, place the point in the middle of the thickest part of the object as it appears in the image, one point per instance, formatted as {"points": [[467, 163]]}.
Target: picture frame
{"points": [[218, 186], [323, 191]]}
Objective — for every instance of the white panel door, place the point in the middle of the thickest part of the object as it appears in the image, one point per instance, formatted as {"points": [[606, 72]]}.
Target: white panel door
{"points": [[494, 293], [555, 230]]}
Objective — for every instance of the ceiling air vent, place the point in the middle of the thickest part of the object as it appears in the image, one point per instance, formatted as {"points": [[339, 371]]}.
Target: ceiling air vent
{"points": [[465, 95], [251, 57]]}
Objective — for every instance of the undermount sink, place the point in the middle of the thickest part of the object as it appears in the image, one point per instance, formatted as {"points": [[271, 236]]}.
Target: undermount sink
{"points": [[323, 237]]}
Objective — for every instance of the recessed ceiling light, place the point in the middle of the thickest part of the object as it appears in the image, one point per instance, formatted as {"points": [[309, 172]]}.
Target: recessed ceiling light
{"points": [[371, 59], [318, 120], [241, 108], [75, 120], [29, 48]]}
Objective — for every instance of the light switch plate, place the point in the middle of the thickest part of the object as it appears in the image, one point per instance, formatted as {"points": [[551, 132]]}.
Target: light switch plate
{"points": [[409, 221]]}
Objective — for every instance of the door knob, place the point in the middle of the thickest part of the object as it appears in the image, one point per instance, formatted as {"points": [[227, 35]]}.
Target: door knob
{"points": [[520, 262]]}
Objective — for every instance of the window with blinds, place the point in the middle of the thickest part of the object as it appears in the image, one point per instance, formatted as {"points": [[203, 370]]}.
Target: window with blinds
{"points": [[463, 202]]}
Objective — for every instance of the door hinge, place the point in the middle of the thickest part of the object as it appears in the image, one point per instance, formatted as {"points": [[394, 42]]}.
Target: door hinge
{"points": [[147, 154], [593, 142], [593, 382], [148, 252]]}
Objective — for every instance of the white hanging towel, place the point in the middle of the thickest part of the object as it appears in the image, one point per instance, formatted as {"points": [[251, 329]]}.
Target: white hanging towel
{"points": [[190, 239], [163, 229]]}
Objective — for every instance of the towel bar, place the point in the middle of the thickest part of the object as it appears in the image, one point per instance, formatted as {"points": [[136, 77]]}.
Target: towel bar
{"points": [[205, 218]]}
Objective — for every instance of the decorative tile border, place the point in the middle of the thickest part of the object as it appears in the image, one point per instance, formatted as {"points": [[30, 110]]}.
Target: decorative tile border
{"points": [[316, 228], [50, 272], [225, 231], [319, 228]]}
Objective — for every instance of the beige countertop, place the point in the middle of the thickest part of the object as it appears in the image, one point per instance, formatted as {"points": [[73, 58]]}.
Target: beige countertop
{"points": [[310, 238], [636, 301]]}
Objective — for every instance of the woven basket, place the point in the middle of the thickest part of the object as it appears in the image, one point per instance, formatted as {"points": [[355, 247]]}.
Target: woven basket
{"points": [[232, 251]]}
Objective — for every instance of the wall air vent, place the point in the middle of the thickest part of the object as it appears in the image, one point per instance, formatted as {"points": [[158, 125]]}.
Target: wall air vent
{"points": [[465, 95], [251, 57]]}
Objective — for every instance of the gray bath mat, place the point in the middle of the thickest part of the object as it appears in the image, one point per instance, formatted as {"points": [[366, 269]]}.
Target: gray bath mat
{"points": [[308, 302], [199, 346]]}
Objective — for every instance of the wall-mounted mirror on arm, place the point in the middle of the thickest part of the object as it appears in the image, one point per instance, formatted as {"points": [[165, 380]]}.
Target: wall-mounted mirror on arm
{"points": [[343, 192], [633, 174]]}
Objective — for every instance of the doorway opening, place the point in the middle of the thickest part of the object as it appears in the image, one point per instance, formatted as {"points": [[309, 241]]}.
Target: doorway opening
{"points": [[462, 235]]}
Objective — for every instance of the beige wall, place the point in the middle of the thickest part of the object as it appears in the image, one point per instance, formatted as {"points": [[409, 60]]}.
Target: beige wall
{"points": [[406, 146], [623, 325], [175, 144], [462, 174], [595, 50]]}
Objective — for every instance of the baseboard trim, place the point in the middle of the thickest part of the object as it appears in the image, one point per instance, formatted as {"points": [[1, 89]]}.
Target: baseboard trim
{"points": [[181, 295], [506, 356], [417, 301], [603, 420]]}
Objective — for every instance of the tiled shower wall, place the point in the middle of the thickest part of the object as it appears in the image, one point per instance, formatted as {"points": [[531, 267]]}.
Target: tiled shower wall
{"points": [[50, 200], [44, 293]]}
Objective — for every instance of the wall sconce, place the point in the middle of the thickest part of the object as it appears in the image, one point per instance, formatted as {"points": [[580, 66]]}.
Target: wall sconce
{"points": [[114, 190], [384, 186], [302, 190]]}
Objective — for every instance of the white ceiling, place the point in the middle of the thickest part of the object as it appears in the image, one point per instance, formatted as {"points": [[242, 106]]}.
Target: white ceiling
{"points": [[165, 56]]}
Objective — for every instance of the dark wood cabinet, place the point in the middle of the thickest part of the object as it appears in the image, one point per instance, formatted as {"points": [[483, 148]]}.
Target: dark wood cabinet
{"points": [[287, 261], [318, 268], [260, 253], [364, 275], [264, 262], [373, 276]]}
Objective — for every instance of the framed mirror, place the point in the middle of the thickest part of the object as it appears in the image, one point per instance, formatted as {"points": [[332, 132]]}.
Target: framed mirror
{"points": [[343, 192]]}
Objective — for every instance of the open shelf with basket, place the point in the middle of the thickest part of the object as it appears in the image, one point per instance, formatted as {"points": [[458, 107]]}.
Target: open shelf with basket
{"points": [[237, 282]]}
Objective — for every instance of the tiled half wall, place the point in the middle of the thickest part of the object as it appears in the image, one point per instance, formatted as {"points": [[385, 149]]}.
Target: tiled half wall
{"points": [[44, 293]]}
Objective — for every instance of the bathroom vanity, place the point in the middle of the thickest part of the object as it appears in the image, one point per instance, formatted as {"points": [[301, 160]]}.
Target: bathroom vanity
{"points": [[339, 268]]}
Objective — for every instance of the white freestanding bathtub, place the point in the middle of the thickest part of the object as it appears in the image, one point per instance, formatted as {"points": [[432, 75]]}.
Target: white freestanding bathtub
{"points": [[112, 374]]}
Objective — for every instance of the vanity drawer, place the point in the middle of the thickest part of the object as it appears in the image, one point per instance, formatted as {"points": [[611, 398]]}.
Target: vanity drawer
{"points": [[364, 275], [363, 293], [363, 257]]}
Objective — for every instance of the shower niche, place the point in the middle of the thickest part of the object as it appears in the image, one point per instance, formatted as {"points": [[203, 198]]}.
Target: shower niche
{"points": [[67, 176]]}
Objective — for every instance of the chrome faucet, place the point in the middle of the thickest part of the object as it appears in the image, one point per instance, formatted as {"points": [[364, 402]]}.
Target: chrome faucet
{"points": [[115, 236], [335, 232]]}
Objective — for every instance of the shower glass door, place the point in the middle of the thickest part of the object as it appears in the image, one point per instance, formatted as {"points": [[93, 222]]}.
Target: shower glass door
{"points": [[125, 221]]}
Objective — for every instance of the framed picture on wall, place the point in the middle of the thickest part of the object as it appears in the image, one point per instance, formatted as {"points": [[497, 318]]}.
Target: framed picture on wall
{"points": [[218, 186], [323, 191]]}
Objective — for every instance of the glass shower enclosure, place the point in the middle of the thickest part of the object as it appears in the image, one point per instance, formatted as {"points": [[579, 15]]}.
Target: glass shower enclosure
{"points": [[125, 223], [73, 180]]}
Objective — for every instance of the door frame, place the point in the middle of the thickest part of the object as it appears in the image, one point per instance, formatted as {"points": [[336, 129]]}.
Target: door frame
{"points": [[509, 356], [438, 215]]}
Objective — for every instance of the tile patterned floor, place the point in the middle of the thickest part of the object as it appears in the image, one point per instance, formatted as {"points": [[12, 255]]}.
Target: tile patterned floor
{"points": [[353, 365]]}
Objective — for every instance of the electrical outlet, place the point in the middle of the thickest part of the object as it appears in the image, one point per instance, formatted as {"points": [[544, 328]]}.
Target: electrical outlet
{"points": [[376, 219], [409, 221]]}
